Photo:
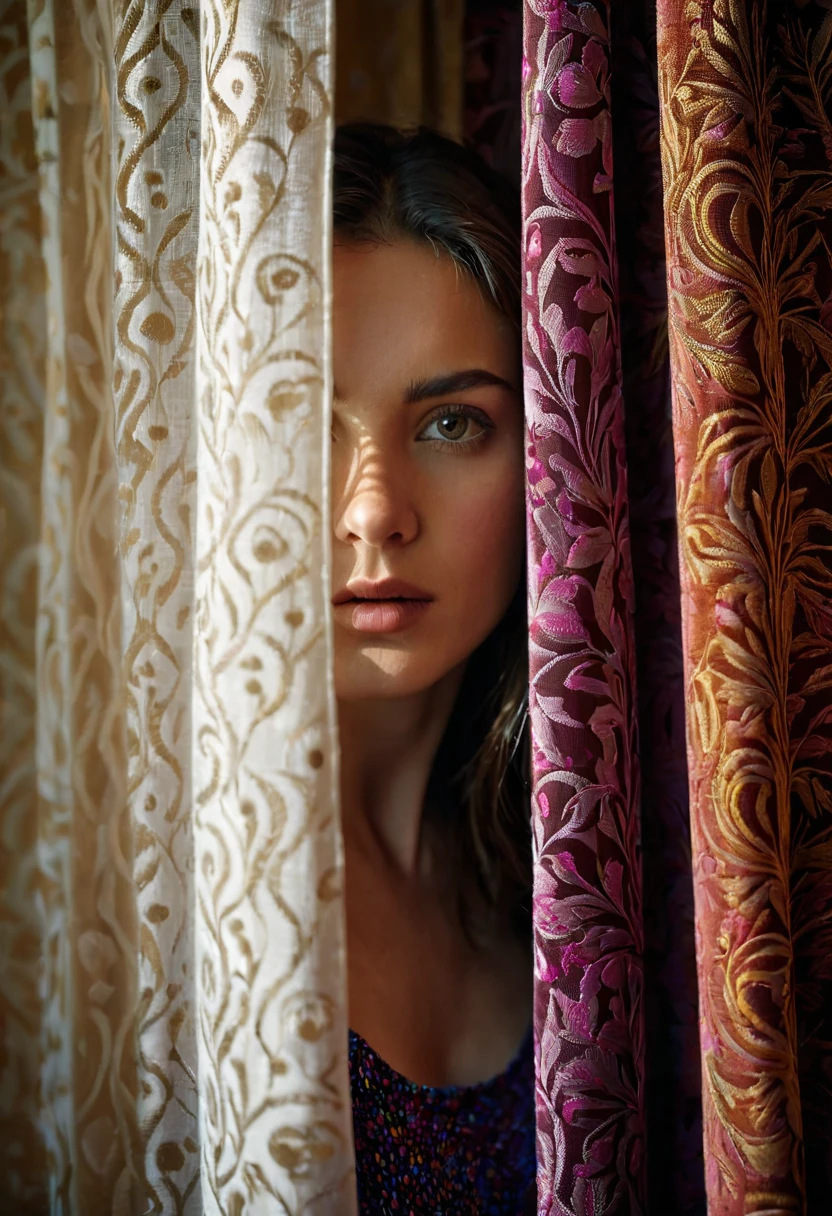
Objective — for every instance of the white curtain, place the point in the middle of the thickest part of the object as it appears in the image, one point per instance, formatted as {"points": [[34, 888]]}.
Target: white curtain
{"points": [[172, 1006]]}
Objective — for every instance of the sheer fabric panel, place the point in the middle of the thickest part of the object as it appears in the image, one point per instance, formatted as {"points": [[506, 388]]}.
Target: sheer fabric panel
{"points": [[275, 1112], [174, 1033]]}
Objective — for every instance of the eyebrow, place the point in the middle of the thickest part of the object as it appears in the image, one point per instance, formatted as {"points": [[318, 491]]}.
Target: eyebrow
{"points": [[442, 386], [454, 382]]}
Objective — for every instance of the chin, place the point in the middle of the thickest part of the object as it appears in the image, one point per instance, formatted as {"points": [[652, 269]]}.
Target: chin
{"points": [[379, 674]]}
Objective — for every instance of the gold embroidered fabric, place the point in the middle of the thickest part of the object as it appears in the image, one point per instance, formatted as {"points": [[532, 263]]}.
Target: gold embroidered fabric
{"points": [[172, 1035], [745, 104]]}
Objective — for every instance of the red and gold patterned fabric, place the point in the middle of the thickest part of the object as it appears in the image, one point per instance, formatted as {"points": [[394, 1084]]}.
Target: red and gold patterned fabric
{"points": [[742, 91]]}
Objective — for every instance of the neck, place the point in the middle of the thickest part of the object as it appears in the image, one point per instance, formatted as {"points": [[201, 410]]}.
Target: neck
{"points": [[387, 752]]}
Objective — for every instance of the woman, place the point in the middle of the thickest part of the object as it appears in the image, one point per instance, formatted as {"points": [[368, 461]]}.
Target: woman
{"points": [[430, 674]]}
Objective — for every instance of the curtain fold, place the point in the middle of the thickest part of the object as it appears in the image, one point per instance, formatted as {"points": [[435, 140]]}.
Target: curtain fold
{"points": [[742, 91], [275, 1114], [174, 1021], [79, 846], [401, 62], [589, 1016], [22, 364], [155, 168], [493, 59], [746, 154], [672, 1084]]}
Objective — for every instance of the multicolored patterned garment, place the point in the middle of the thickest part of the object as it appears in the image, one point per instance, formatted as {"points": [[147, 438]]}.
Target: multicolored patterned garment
{"points": [[450, 1151]]}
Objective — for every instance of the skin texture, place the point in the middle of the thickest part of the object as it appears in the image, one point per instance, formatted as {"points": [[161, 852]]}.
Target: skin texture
{"points": [[425, 494]]}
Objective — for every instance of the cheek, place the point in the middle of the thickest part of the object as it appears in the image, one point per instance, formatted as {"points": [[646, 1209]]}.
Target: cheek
{"points": [[486, 545]]}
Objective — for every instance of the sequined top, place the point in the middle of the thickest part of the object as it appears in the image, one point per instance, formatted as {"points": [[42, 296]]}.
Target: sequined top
{"points": [[447, 1151]]}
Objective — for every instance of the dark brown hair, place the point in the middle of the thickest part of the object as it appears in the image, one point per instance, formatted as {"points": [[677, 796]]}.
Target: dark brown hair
{"points": [[418, 185]]}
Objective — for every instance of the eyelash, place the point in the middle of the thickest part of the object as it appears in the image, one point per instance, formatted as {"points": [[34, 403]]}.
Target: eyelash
{"points": [[464, 411]]}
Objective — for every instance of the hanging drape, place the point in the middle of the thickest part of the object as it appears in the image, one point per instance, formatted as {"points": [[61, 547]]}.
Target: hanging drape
{"points": [[743, 96], [401, 62], [172, 1004], [173, 1010]]}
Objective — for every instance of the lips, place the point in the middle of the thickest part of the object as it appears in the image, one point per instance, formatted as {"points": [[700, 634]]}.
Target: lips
{"points": [[384, 589], [380, 607]]}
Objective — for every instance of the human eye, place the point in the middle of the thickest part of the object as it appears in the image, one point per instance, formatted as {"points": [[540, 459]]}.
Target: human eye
{"points": [[456, 426]]}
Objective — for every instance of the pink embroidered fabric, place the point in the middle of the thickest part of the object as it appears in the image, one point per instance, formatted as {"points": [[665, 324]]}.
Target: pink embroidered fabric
{"points": [[587, 897]]}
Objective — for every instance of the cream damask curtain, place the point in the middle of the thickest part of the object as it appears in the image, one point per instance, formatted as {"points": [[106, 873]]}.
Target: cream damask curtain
{"points": [[173, 1034]]}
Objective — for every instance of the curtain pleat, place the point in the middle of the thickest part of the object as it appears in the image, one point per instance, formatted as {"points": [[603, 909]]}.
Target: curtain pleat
{"points": [[672, 1072], [274, 1107], [582, 697], [493, 59], [401, 61], [22, 364], [173, 997], [88, 931], [743, 94], [745, 102], [156, 212]]}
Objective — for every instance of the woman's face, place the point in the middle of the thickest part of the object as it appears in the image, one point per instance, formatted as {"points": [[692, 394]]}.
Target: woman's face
{"points": [[427, 468]]}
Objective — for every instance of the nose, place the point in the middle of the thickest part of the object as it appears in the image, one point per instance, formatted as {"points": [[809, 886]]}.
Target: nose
{"points": [[377, 509]]}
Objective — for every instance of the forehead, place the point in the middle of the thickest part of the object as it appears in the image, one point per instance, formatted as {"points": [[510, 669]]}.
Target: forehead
{"points": [[402, 313]]}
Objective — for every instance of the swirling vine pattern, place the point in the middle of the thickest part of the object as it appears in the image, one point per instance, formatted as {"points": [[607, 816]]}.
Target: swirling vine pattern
{"points": [[174, 1029], [747, 149], [22, 390], [275, 1114], [80, 943], [157, 104], [587, 881]]}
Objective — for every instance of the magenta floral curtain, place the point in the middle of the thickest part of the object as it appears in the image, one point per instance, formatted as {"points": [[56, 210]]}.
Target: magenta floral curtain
{"points": [[677, 185], [588, 899]]}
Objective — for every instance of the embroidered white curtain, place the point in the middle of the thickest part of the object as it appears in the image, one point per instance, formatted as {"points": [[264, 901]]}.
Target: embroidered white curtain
{"points": [[172, 1010]]}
